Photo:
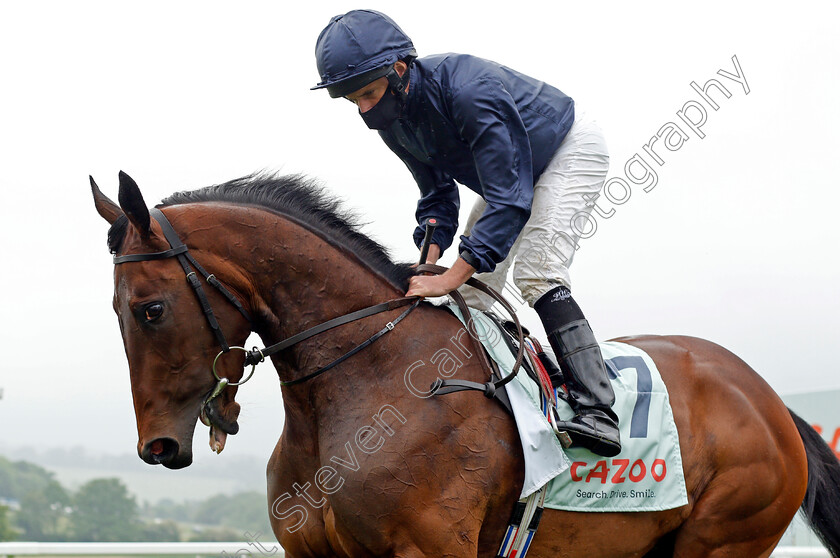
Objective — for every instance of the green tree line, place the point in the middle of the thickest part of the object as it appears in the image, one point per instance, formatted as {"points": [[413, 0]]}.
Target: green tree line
{"points": [[34, 506]]}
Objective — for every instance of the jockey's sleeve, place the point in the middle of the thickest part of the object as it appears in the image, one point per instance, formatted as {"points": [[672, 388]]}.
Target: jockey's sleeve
{"points": [[439, 198], [488, 119]]}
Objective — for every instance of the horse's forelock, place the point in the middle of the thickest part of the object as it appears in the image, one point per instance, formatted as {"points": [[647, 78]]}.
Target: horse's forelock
{"points": [[116, 234]]}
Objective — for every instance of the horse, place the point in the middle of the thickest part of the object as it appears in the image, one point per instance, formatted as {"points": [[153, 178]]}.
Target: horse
{"points": [[366, 467]]}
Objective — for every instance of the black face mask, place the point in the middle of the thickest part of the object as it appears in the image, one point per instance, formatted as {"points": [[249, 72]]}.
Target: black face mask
{"points": [[384, 113]]}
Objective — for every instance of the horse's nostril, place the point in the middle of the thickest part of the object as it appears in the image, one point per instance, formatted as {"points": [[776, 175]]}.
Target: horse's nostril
{"points": [[161, 450]]}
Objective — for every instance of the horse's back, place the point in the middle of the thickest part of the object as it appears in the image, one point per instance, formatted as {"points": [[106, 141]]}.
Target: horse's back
{"points": [[744, 461], [717, 397]]}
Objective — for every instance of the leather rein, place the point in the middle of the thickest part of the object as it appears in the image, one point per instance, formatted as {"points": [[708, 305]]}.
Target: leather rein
{"points": [[253, 357]]}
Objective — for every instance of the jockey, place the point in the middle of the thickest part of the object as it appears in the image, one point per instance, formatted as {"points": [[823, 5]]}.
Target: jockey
{"points": [[536, 162]]}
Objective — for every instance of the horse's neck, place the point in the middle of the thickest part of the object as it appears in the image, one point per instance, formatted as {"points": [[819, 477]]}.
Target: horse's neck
{"points": [[306, 280], [293, 276], [303, 280], [296, 279]]}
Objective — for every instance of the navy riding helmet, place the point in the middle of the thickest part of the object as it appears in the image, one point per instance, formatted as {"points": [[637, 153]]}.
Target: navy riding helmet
{"points": [[357, 48]]}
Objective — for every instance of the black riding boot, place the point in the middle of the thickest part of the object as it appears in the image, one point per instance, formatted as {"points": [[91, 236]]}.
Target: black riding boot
{"points": [[595, 425]]}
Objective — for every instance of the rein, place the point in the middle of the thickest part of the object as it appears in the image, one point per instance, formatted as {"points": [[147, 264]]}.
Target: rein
{"points": [[255, 356]]}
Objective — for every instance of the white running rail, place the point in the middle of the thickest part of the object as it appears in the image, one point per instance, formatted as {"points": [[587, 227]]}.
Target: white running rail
{"points": [[220, 549], [797, 551]]}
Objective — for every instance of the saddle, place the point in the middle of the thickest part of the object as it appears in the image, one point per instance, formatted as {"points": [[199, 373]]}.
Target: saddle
{"points": [[508, 328], [529, 354]]}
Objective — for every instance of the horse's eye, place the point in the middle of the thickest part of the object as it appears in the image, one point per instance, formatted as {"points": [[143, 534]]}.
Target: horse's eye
{"points": [[153, 311]]}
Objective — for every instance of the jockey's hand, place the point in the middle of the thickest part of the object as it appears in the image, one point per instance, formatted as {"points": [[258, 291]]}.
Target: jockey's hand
{"points": [[439, 285], [430, 285]]}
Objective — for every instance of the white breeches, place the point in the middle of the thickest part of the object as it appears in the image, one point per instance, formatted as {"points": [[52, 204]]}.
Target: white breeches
{"points": [[564, 197]]}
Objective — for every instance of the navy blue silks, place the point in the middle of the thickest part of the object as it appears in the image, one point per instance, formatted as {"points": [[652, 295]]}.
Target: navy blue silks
{"points": [[487, 127]]}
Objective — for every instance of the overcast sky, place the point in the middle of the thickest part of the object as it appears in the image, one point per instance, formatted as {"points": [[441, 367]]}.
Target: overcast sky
{"points": [[737, 242]]}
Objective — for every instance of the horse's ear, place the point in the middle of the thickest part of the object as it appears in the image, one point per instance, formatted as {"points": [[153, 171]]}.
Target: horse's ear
{"points": [[132, 204], [104, 206]]}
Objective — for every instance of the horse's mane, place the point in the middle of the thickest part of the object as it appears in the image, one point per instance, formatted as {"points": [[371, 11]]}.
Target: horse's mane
{"points": [[302, 199]]}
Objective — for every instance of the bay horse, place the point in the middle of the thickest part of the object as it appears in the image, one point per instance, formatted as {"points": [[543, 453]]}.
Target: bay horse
{"points": [[366, 467]]}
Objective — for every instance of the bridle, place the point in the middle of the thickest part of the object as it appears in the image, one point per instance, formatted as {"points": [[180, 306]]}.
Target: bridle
{"points": [[179, 250]]}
